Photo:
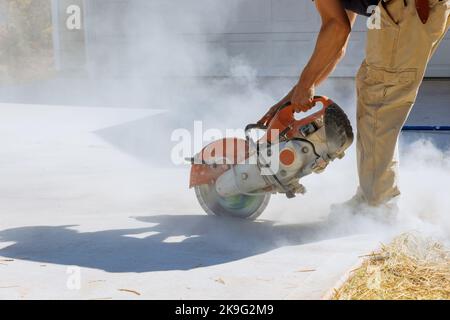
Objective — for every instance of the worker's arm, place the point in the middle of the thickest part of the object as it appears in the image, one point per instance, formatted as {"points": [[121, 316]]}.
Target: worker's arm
{"points": [[330, 48], [330, 68]]}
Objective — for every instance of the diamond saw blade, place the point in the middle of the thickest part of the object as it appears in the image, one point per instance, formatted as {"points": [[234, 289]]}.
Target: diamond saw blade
{"points": [[240, 206]]}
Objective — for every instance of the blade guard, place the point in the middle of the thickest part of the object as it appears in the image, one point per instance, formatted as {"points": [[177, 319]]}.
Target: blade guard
{"points": [[216, 158]]}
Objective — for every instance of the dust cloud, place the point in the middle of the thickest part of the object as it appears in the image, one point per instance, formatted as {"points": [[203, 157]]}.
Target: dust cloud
{"points": [[162, 61]]}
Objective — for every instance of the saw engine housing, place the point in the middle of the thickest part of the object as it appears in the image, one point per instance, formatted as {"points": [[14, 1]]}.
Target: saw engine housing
{"points": [[239, 170]]}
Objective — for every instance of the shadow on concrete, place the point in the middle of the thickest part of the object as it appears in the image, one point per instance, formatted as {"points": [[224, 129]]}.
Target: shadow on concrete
{"points": [[201, 241]]}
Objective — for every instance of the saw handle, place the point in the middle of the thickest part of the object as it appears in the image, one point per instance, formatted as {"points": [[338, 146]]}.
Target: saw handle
{"points": [[285, 114], [326, 102], [283, 119], [273, 112]]}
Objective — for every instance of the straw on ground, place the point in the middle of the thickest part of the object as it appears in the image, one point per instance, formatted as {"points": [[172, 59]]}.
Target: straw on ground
{"points": [[411, 267]]}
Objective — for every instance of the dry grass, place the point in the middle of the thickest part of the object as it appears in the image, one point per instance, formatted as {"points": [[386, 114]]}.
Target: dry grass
{"points": [[411, 267]]}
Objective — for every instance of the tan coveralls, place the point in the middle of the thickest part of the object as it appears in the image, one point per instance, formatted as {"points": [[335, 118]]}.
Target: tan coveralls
{"points": [[397, 55]]}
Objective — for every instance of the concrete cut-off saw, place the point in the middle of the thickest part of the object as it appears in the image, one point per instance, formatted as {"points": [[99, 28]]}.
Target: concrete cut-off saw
{"points": [[236, 177]]}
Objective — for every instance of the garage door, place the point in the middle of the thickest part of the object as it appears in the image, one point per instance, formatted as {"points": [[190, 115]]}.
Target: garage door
{"points": [[275, 37]]}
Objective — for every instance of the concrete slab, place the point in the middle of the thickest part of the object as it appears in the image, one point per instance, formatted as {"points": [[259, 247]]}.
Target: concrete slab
{"points": [[74, 210], [82, 217]]}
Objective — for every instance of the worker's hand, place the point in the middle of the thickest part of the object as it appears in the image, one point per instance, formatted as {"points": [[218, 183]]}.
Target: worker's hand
{"points": [[302, 98]]}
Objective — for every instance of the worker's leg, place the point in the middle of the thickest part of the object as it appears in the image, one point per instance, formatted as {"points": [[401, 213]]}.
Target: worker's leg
{"points": [[387, 86]]}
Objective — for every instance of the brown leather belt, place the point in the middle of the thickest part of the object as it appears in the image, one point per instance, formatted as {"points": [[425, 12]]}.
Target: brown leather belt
{"points": [[423, 10]]}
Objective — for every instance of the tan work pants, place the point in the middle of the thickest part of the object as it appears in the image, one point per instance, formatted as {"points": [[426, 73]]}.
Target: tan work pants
{"points": [[397, 55]]}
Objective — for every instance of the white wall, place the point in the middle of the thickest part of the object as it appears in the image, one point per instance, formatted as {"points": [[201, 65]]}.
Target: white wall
{"points": [[274, 36], [278, 36]]}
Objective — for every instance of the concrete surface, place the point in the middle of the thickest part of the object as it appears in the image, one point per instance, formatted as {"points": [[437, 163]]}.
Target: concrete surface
{"points": [[80, 186], [68, 198]]}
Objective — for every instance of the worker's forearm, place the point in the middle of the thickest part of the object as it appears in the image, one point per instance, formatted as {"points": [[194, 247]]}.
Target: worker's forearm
{"points": [[330, 68], [327, 71], [330, 45]]}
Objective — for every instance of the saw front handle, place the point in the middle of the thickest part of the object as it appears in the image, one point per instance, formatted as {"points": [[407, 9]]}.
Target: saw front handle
{"points": [[265, 120], [281, 118], [285, 115]]}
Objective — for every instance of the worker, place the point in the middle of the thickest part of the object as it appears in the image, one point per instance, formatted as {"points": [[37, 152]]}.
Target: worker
{"points": [[401, 39]]}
